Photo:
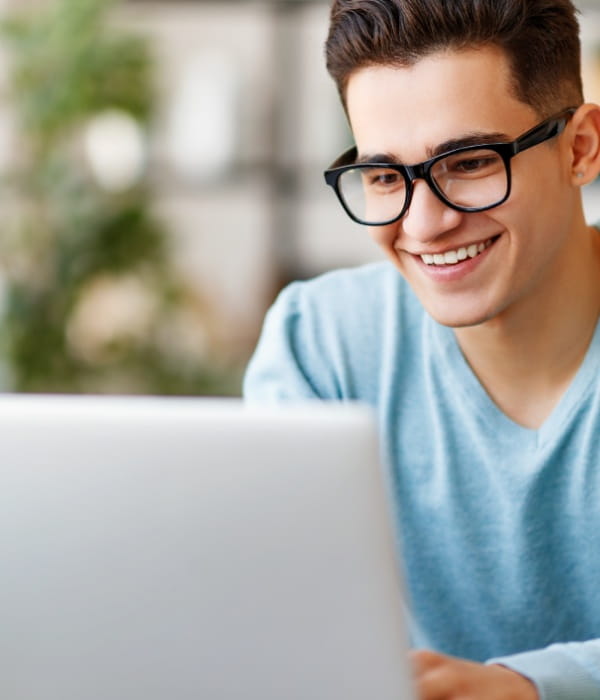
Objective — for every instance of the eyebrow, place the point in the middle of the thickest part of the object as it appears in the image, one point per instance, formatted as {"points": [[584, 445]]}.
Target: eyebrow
{"points": [[472, 139]]}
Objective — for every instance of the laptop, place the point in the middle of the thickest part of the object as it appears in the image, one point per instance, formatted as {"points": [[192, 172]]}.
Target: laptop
{"points": [[179, 549]]}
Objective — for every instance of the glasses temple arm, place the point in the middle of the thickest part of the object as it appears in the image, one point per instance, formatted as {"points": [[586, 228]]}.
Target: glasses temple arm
{"points": [[545, 132]]}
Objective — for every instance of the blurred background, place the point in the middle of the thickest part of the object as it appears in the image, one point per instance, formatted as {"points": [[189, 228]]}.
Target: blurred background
{"points": [[160, 166]]}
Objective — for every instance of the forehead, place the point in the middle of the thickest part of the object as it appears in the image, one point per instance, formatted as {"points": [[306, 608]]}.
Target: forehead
{"points": [[406, 111]]}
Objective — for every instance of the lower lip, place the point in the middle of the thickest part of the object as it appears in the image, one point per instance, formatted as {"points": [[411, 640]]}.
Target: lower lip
{"points": [[453, 273]]}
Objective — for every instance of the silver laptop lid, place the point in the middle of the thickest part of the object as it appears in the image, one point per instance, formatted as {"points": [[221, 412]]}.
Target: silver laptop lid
{"points": [[183, 549]]}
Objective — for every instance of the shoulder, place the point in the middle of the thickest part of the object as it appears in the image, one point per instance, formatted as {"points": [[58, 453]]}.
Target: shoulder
{"points": [[371, 276], [327, 336], [356, 306], [371, 289]]}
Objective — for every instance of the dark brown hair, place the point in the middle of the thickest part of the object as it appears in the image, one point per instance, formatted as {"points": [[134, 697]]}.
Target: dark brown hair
{"points": [[539, 37]]}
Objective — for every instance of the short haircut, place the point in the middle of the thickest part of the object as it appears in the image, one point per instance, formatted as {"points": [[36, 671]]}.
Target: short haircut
{"points": [[539, 37]]}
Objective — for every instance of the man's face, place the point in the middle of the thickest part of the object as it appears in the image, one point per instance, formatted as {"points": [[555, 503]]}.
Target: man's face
{"points": [[407, 113]]}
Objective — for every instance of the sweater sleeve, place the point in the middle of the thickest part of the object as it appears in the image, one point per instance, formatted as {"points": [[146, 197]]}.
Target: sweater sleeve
{"points": [[569, 671], [333, 337], [287, 363]]}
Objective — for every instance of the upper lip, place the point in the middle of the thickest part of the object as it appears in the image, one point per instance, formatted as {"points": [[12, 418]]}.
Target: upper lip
{"points": [[446, 249]]}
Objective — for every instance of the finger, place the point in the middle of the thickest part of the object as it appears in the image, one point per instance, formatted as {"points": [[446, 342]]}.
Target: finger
{"points": [[424, 659], [433, 677]]}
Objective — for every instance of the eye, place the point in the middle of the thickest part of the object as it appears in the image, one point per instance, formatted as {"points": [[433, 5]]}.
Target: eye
{"points": [[382, 179], [473, 163]]}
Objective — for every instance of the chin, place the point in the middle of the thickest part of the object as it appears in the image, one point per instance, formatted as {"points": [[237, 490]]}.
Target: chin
{"points": [[458, 318]]}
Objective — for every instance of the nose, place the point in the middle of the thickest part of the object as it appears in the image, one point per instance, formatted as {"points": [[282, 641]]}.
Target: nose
{"points": [[427, 216]]}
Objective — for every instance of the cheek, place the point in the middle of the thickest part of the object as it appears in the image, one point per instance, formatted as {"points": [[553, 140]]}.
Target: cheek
{"points": [[541, 185], [384, 236], [541, 204]]}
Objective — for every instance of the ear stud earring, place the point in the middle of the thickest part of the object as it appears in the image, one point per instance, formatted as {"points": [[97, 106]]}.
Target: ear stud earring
{"points": [[580, 174]]}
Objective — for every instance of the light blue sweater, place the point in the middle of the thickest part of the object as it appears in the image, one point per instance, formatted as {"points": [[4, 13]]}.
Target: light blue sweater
{"points": [[500, 525]]}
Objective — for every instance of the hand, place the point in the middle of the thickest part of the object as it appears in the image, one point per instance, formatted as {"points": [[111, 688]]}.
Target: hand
{"points": [[440, 677]]}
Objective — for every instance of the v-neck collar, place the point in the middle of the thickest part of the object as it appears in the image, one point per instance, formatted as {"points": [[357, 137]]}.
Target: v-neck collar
{"points": [[451, 357]]}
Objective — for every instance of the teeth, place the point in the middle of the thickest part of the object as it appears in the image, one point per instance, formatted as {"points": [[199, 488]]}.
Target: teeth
{"points": [[451, 257]]}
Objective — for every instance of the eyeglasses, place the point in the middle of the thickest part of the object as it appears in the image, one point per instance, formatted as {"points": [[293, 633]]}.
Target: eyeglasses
{"points": [[469, 179]]}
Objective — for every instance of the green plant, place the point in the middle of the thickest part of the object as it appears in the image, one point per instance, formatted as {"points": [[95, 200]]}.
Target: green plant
{"points": [[70, 241]]}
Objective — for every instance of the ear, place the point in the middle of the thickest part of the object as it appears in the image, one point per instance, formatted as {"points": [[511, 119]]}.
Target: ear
{"points": [[585, 144]]}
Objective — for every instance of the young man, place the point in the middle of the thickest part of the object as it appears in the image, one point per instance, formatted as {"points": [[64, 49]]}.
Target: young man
{"points": [[478, 343]]}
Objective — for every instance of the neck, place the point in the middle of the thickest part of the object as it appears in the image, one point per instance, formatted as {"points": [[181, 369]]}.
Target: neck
{"points": [[527, 356]]}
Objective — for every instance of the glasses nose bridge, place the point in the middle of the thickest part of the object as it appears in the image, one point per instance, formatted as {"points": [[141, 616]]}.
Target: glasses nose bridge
{"points": [[420, 171]]}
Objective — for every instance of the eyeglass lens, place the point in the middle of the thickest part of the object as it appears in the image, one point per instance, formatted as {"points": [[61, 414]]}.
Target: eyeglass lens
{"points": [[470, 179]]}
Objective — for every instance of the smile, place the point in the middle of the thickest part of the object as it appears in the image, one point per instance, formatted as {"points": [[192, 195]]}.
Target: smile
{"points": [[452, 257]]}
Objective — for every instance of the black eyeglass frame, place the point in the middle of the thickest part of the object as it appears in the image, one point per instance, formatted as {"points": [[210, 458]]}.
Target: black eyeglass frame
{"points": [[544, 131]]}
